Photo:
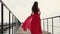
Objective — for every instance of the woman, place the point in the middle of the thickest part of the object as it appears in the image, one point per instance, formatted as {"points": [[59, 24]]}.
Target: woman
{"points": [[33, 22]]}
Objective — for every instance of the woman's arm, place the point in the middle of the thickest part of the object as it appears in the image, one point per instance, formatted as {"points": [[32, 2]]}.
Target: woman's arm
{"points": [[39, 11], [32, 13]]}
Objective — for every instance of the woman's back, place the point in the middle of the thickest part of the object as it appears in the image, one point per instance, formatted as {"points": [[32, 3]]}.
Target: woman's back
{"points": [[33, 22]]}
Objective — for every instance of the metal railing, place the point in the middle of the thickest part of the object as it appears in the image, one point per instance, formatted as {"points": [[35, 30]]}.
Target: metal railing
{"points": [[52, 24], [15, 22]]}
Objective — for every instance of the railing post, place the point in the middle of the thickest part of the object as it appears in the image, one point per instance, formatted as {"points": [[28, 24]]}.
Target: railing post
{"points": [[47, 24], [52, 26], [2, 18], [12, 23], [59, 17], [43, 25], [9, 22], [15, 25]]}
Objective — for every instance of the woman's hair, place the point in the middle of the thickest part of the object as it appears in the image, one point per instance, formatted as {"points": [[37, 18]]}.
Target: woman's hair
{"points": [[35, 7]]}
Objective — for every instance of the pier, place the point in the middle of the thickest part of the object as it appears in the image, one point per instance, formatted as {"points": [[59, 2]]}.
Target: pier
{"points": [[47, 26]]}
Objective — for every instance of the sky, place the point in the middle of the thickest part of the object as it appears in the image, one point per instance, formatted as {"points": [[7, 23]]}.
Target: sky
{"points": [[22, 8]]}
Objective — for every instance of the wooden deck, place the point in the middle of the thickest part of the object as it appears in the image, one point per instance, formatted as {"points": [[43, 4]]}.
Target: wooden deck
{"points": [[20, 31]]}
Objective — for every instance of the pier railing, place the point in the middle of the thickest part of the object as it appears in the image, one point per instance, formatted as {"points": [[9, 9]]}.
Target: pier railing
{"points": [[51, 24], [6, 15]]}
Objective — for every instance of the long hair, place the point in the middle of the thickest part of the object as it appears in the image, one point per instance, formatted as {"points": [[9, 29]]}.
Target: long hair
{"points": [[35, 7]]}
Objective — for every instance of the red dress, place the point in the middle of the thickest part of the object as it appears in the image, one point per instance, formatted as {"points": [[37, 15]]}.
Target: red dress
{"points": [[33, 23]]}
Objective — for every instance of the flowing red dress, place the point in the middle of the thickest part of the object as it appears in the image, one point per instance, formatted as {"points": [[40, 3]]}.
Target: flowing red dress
{"points": [[33, 23]]}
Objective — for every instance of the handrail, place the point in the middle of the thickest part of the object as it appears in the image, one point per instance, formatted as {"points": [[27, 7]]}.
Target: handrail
{"points": [[50, 17], [14, 19], [6, 7], [52, 25]]}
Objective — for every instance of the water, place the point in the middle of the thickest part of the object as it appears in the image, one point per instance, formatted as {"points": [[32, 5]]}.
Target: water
{"points": [[15, 28], [7, 31]]}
